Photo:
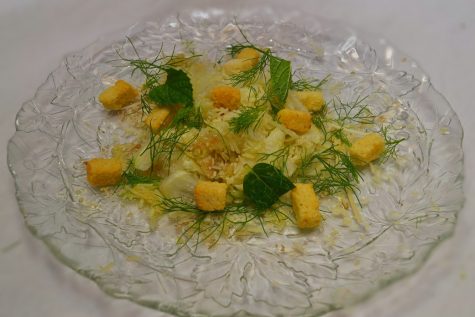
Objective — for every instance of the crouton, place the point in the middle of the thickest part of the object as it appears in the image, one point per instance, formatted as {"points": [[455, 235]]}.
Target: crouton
{"points": [[306, 206], [156, 118], [295, 120], [312, 100], [367, 149], [118, 96], [245, 60], [210, 196], [104, 172], [226, 97], [249, 54], [234, 66]]}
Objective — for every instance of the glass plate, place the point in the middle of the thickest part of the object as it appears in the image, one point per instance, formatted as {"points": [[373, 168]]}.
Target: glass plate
{"points": [[407, 213]]}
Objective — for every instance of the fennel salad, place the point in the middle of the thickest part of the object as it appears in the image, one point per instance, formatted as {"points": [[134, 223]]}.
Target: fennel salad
{"points": [[238, 146]]}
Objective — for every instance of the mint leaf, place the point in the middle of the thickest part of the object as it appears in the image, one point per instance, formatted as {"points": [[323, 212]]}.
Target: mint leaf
{"points": [[264, 184], [176, 90], [280, 80]]}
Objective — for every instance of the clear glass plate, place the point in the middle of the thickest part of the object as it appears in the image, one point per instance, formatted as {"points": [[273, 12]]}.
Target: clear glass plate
{"points": [[409, 212]]}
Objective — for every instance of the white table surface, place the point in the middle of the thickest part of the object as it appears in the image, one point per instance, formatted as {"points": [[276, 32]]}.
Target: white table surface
{"points": [[35, 35]]}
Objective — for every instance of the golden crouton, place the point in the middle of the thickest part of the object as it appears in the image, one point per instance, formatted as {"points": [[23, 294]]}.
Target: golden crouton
{"points": [[306, 206], [249, 54], [234, 66], [103, 172], [295, 120], [226, 97], [245, 60], [156, 118], [312, 100], [367, 148], [118, 96], [210, 196]]}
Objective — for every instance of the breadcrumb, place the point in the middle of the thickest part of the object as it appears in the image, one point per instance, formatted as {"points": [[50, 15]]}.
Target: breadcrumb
{"points": [[312, 100], [156, 118], [118, 96], [210, 196], [249, 54], [245, 60], [234, 66], [295, 120], [103, 172], [306, 206], [226, 97], [367, 149]]}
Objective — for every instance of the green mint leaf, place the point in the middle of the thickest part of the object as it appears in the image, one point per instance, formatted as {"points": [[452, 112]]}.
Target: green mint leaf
{"points": [[176, 90], [280, 80], [264, 184]]}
